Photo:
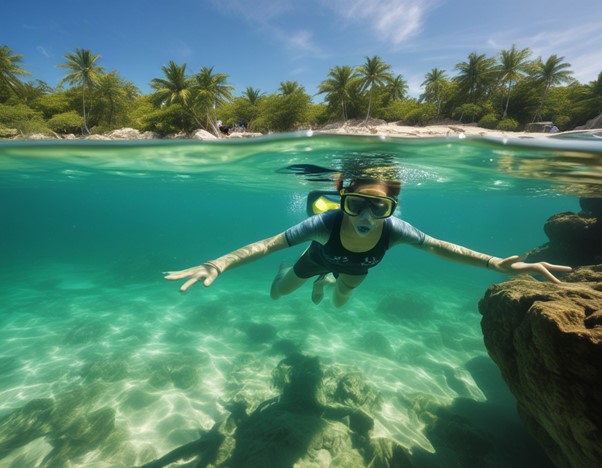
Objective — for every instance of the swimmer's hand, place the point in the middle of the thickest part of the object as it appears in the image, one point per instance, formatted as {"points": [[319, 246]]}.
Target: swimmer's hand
{"points": [[205, 273], [512, 266]]}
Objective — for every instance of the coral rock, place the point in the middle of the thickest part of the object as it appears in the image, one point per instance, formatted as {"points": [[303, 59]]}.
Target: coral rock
{"points": [[547, 341]]}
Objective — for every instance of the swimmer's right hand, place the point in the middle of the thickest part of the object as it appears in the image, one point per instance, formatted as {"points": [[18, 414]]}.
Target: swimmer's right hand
{"points": [[205, 272]]}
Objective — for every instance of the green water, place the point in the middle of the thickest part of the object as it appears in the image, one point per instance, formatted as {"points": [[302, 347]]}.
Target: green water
{"points": [[104, 363]]}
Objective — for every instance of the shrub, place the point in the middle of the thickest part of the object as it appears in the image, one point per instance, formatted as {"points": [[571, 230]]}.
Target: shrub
{"points": [[23, 118], [507, 125], [562, 121], [467, 112], [66, 122], [489, 121], [166, 120], [399, 110], [316, 114], [421, 116], [8, 132]]}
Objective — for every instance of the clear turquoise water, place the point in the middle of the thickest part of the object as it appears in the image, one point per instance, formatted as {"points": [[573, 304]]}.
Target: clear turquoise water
{"points": [[131, 368]]}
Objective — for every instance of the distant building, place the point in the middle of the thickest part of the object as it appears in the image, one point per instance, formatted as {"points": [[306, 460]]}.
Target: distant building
{"points": [[541, 127]]}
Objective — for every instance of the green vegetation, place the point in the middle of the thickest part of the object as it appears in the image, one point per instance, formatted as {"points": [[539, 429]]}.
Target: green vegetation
{"points": [[506, 92]]}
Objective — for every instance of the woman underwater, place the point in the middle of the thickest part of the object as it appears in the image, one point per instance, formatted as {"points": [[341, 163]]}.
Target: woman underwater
{"points": [[347, 242]]}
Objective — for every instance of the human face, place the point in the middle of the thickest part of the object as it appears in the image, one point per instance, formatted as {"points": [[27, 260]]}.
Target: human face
{"points": [[366, 207], [354, 203]]}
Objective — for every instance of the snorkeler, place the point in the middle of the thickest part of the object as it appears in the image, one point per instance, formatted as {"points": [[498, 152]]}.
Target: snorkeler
{"points": [[347, 242]]}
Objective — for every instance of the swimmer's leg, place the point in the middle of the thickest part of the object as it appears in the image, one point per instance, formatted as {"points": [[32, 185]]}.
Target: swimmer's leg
{"points": [[285, 282], [317, 293], [344, 288]]}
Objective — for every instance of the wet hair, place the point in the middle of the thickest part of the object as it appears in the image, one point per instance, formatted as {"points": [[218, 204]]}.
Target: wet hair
{"points": [[392, 186]]}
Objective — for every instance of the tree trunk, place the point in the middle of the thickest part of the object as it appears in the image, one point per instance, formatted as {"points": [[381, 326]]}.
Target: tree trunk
{"points": [[537, 116], [507, 102], [369, 104], [85, 130]]}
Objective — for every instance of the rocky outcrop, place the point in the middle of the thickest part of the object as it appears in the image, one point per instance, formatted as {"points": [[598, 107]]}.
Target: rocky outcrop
{"points": [[575, 238], [131, 134], [201, 134], [234, 135], [596, 122], [547, 340]]}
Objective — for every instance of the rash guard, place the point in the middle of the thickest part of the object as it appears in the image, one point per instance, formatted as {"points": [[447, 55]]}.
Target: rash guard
{"points": [[327, 254]]}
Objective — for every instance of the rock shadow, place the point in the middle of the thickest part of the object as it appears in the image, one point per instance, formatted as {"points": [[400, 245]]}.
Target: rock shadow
{"points": [[469, 433], [319, 419]]}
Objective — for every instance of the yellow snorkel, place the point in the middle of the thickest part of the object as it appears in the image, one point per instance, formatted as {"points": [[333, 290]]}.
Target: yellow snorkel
{"points": [[319, 201]]}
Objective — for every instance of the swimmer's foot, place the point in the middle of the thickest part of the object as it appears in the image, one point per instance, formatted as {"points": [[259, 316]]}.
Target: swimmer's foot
{"points": [[282, 270], [317, 293]]}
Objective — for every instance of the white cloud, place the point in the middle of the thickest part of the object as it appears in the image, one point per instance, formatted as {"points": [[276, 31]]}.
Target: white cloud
{"points": [[301, 40], [579, 45], [43, 51], [394, 21], [266, 17]]}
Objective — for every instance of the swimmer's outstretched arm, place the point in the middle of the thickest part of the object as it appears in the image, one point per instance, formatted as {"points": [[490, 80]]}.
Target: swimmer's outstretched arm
{"points": [[510, 265], [208, 271]]}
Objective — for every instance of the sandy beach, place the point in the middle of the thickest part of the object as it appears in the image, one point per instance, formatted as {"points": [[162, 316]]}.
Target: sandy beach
{"points": [[395, 129], [378, 128]]}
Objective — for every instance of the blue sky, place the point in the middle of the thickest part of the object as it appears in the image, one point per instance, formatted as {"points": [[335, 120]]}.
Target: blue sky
{"points": [[260, 43]]}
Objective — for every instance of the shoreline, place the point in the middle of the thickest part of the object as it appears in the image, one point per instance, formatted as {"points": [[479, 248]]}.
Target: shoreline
{"points": [[377, 128]]}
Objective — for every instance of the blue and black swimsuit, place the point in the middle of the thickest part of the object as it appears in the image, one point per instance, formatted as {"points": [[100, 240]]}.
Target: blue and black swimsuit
{"points": [[326, 253]]}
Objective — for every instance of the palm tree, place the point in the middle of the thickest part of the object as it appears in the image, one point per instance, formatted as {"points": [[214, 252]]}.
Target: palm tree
{"points": [[338, 86], [9, 68], [433, 83], [210, 90], [289, 87], [593, 95], [114, 93], [396, 89], [475, 76], [174, 88], [84, 72], [253, 95], [29, 92], [512, 68], [374, 72], [596, 90], [551, 73]]}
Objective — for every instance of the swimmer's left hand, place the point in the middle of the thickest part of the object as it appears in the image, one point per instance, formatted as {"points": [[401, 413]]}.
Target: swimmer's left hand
{"points": [[512, 266], [205, 273]]}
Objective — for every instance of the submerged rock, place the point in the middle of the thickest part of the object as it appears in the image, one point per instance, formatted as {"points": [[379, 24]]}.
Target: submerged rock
{"points": [[303, 427], [376, 343], [69, 423], [25, 425], [547, 341], [285, 347], [575, 238]]}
